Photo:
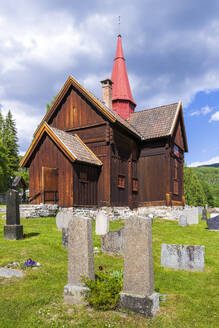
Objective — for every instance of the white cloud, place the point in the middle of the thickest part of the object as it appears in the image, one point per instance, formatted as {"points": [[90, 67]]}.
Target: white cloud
{"points": [[213, 160], [195, 113], [214, 117], [25, 124]]}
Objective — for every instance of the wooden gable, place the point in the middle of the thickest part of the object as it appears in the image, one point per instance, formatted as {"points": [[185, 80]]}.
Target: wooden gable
{"points": [[179, 134]]}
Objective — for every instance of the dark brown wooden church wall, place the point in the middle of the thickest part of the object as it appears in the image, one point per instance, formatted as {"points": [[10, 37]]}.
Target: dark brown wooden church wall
{"points": [[152, 168], [49, 155], [102, 150], [85, 184], [124, 152], [74, 112]]}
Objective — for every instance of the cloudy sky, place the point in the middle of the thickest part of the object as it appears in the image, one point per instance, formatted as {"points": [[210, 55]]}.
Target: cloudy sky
{"points": [[171, 50]]}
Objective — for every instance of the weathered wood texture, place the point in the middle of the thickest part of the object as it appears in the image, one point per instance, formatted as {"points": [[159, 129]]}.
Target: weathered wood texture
{"points": [[85, 185], [74, 111], [48, 155]]}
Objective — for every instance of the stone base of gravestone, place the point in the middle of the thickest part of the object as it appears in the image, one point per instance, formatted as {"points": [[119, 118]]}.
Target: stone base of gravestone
{"points": [[213, 223], [13, 232], [146, 305], [74, 294], [113, 242], [183, 221], [183, 257], [65, 237]]}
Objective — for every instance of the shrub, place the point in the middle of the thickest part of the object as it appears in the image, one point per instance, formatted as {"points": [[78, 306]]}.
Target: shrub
{"points": [[103, 293]]}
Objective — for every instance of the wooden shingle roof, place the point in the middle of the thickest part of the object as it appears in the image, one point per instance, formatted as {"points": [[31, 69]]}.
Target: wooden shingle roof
{"points": [[71, 145], [76, 147], [155, 122]]}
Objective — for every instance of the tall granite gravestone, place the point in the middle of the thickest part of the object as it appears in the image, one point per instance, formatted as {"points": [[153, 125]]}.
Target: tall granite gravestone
{"points": [[80, 258], [62, 220], [13, 229], [138, 279]]}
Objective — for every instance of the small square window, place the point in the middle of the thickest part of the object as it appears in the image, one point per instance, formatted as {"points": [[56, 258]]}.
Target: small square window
{"points": [[83, 177], [121, 181], [135, 185]]}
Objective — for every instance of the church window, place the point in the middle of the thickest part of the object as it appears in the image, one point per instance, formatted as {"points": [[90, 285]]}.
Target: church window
{"points": [[121, 181], [135, 185], [83, 177]]}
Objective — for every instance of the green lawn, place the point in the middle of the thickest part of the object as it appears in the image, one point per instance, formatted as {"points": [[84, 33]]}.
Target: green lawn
{"points": [[36, 299]]}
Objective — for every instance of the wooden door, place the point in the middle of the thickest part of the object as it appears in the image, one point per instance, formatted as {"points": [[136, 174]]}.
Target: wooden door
{"points": [[49, 185]]}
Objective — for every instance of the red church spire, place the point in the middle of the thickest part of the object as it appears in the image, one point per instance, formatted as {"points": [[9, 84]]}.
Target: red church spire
{"points": [[122, 100]]}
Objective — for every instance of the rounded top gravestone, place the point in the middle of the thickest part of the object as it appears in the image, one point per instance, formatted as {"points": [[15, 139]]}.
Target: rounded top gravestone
{"points": [[63, 218]]}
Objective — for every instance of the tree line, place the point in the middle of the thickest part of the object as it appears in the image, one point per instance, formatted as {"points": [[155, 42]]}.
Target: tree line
{"points": [[9, 156], [197, 191]]}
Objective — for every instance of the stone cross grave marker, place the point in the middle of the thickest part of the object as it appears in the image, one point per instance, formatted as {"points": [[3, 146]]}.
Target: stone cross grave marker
{"points": [[80, 258], [138, 279], [13, 229], [102, 224]]}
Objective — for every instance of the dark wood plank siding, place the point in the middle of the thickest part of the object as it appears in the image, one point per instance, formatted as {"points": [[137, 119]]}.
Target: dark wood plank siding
{"points": [[75, 111], [152, 167], [85, 192], [124, 152], [48, 155]]}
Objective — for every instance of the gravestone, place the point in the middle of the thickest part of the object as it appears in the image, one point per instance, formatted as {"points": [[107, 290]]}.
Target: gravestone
{"points": [[204, 214], [138, 279], [80, 258], [102, 224], [13, 229], [213, 214], [183, 221], [192, 215], [213, 223], [184, 257], [113, 242], [65, 237], [63, 218]]}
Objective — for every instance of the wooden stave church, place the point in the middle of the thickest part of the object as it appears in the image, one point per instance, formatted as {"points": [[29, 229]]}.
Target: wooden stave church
{"points": [[88, 152]]}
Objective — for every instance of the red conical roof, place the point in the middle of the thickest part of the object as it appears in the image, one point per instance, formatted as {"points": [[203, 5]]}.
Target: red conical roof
{"points": [[121, 88]]}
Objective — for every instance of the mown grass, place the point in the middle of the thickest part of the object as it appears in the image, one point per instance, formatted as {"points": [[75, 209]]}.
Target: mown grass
{"points": [[36, 300]]}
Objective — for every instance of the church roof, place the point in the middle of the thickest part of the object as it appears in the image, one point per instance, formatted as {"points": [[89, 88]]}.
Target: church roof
{"points": [[121, 88], [155, 122], [71, 145]]}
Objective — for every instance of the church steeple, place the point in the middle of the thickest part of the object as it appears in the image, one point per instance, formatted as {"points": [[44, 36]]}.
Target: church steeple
{"points": [[122, 100]]}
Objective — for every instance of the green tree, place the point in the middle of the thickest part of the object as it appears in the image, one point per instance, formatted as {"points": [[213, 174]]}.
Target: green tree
{"points": [[208, 193], [4, 170], [193, 190], [48, 106], [10, 141]]}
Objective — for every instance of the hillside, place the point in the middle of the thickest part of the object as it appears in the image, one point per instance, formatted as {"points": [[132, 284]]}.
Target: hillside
{"points": [[210, 175]]}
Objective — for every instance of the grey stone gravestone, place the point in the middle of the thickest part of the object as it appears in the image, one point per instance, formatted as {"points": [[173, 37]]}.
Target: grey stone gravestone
{"points": [[113, 242], [102, 224], [80, 258], [183, 221], [213, 223], [204, 214], [138, 279], [13, 229], [63, 218], [184, 257], [192, 215]]}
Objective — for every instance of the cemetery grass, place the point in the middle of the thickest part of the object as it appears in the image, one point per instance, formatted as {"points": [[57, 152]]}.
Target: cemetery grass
{"points": [[36, 300]]}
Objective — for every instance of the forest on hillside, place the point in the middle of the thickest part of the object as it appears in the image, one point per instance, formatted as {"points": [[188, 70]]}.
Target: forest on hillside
{"points": [[209, 176]]}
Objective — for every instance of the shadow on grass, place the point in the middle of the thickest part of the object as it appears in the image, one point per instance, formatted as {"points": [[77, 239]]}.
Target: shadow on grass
{"points": [[32, 234]]}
